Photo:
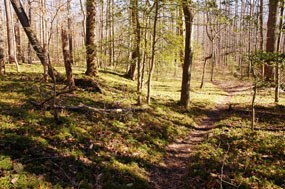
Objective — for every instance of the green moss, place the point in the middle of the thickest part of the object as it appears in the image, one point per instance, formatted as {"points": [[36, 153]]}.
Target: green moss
{"points": [[123, 147], [5, 163]]}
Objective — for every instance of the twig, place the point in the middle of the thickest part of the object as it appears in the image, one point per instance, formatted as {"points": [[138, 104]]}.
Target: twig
{"points": [[41, 158], [257, 111], [50, 98], [281, 128], [65, 174], [222, 168], [83, 107]]}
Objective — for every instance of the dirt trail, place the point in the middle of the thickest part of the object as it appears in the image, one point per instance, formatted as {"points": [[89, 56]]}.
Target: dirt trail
{"points": [[170, 174]]}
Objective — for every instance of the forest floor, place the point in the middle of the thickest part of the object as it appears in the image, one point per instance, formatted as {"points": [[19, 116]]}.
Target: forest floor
{"points": [[173, 173], [162, 146]]}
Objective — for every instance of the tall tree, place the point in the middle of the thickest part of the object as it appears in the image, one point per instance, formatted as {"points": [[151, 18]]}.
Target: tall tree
{"points": [[83, 20], [271, 35], [90, 43], [188, 54], [153, 50], [10, 33], [261, 25], [2, 45], [67, 59], [20, 53], [30, 22], [41, 53], [135, 56], [277, 66], [69, 24]]}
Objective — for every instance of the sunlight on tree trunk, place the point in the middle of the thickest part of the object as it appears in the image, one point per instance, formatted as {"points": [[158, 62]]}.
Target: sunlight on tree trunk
{"points": [[92, 65], [271, 35], [188, 55], [152, 51]]}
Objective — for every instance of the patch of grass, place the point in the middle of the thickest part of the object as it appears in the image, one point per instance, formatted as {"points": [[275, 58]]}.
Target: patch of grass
{"points": [[5, 163], [242, 158], [113, 150], [109, 149]]}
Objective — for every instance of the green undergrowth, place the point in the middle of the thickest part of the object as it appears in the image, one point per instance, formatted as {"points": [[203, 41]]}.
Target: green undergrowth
{"points": [[239, 158], [83, 149], [236, 157], [119, 150]]}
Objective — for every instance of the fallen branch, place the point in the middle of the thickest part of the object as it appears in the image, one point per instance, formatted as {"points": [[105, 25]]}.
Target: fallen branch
{"points": [[257, 111], [282, 128], [204, 128], [85, 108], [40, 104]]}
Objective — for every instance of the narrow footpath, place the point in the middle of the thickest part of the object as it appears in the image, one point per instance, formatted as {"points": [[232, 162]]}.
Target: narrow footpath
{"points": [[171, 173]]}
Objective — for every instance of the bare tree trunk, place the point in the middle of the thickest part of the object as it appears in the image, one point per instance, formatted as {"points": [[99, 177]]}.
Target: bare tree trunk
{"points": [[11, 48], [145, 53], [101, 64], [253, 117], [152, 51], [43, 22], [204, 69], [20, 54], [92, 66], [2, 56], [249, 38], [261, 25], [277, 66], [261, 42], [253, 106], [67, 59], [70, 39], [2, 45], [180, 33], [84, 19], [113, 33], [271, 35], [30, 60], [188, 55], [33, 40], [136, 33], [136, 57]]}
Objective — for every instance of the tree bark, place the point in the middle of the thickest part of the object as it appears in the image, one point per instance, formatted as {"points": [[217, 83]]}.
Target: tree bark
{"points": [[152, 51], [30, 60], [20, 54], [277, 66], [135, 55], [186, 77], [261, 40], [271, 35], [2, 45], [42, 55], [70, 39], [261, 25], [84, 19], [92, 66], [11, 48], [67, 59], [180, 34], [204, 70]]}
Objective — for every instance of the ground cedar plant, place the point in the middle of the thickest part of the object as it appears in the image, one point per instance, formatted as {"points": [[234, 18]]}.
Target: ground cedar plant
{"points": [[120, 150]]}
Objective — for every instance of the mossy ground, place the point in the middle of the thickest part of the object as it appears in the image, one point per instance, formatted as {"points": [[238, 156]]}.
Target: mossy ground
{"points": [[237, 157], [116, 150]]}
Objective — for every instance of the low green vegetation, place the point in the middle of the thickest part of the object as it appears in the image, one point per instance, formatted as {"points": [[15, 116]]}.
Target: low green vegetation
{"points": [[119, 150], [240, 158], [237, 157], [109, 149]]}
